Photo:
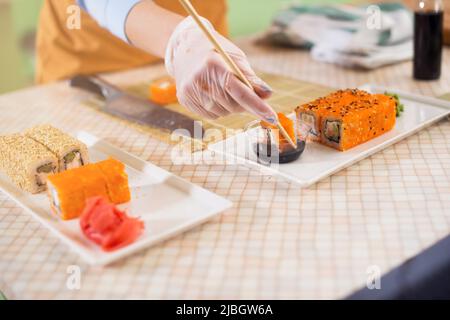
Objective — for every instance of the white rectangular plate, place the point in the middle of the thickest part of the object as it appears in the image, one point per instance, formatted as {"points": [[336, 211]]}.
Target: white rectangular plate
{"points": [[167, 204], [318, 161]]}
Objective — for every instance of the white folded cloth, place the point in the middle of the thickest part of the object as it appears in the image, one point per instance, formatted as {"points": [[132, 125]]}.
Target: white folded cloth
{"points": [[362, 37]]}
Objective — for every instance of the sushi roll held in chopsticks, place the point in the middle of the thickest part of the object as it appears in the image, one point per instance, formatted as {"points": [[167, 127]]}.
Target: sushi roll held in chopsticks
{"points": [[26, 162], [70, 152]]}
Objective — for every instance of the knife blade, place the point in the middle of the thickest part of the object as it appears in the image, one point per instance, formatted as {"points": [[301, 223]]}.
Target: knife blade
{"points": [[126, 106]]}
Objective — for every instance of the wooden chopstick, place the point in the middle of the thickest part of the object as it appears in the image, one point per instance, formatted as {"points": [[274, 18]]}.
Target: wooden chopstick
{"points": [[230, 62]]}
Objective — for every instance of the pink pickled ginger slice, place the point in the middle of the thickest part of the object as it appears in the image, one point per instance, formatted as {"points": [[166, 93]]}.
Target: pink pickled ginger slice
{"points": [[107, 226]]}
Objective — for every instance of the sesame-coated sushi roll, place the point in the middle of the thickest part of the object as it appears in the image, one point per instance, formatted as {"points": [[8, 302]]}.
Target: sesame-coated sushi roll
{"points": [[70, 152], [26, 162]]}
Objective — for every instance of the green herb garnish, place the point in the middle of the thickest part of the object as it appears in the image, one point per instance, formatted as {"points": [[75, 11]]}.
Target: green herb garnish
{"points": [[400, 107]]}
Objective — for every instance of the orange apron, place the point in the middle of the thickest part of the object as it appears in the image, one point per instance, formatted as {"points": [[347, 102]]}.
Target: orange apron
{"points": [[62, 53]]}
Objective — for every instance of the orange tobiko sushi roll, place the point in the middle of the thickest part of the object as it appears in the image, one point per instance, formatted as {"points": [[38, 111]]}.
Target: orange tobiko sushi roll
{"points": [[347, 118], [69, 190], [116, 179], [66, 193], [93, 182], [288, 125]]}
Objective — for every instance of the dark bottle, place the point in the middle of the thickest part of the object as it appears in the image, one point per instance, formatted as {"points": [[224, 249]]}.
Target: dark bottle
{"points": [[428, 39]]}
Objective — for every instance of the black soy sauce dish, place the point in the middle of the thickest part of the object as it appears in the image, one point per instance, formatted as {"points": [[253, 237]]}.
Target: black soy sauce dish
{"points": [[265, 155]]}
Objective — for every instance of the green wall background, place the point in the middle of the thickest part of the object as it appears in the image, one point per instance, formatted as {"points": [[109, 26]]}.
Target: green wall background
{"points": [[250, 16]]}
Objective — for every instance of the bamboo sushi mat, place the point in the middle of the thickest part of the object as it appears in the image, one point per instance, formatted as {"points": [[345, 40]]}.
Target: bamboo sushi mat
{"points": [[277, 241], [289, 93]]}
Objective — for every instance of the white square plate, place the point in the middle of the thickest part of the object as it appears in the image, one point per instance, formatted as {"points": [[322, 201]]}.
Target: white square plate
{"points": [[167, 204], [318, 161]]}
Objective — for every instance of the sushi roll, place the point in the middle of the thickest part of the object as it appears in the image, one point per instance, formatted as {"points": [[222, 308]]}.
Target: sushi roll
{"points": [[307, 115], [69, 190], [70, 152], [66, 194], [26, 162], [116, 179], [347, 118], [289, 127]]}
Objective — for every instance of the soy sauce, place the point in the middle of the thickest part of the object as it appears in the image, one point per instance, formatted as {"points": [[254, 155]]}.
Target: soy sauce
{"points": [[265, 156], [428, 42]]}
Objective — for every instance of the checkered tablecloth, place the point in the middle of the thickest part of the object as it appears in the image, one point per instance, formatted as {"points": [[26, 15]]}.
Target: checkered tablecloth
{"points": [[278, 241]]}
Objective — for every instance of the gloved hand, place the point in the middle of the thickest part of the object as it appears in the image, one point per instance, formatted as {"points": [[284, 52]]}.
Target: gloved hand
{"points": [[205, 85]]}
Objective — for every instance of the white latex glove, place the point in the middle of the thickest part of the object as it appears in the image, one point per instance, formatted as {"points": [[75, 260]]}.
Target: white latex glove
{"points": [[205, 85]]}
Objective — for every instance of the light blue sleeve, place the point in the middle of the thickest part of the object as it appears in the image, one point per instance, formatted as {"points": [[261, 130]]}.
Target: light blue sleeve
{"points": [[110, 14]]}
